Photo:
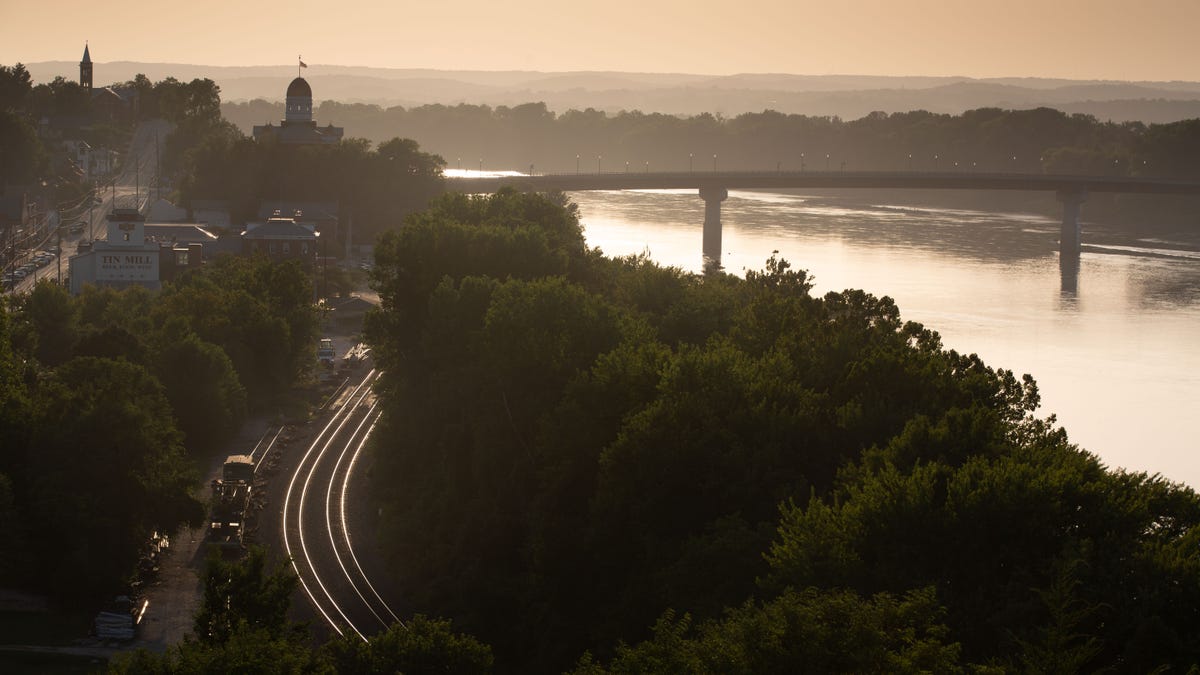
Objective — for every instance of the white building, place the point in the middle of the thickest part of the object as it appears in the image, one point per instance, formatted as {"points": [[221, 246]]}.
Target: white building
{"points": [[123, 258]]}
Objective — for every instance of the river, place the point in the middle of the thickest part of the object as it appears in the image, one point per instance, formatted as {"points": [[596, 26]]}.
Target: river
{"points": [[1116, 357]]}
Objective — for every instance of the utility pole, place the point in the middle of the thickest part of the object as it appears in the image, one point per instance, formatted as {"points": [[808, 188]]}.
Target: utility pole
{"points": [[157, 174]]}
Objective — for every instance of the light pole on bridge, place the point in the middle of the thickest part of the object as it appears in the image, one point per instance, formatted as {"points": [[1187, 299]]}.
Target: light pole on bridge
{"points": [[802, 162], [690, 157], [576, 165], [714, 162], [598, 158], [827, 161]]}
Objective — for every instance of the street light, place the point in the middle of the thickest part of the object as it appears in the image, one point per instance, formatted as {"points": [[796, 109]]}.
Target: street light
{"points": [[827, 161], [714, 162], [626, 167], [480, 165], [690, 156], [910, 161], [598, 158], [802, 162], [647, 167], [576, 165]]}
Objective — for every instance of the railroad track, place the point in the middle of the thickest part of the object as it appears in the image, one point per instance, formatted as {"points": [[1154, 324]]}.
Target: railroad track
{"points": [[315, 528]]}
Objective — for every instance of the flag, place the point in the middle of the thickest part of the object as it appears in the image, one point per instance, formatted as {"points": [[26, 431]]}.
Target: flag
{"points": [[303, 64]]}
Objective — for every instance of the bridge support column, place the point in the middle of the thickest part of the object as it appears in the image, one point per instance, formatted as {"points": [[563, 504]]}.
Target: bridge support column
{"points": [[712, 196], [1071, 239]]}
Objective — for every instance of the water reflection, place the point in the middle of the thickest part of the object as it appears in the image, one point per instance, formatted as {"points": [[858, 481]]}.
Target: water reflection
{"points": [[1068, 271], [1110, 335]]}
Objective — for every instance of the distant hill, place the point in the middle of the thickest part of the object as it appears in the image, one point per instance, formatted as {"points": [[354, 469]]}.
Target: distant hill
{"points": [[846, 96]]}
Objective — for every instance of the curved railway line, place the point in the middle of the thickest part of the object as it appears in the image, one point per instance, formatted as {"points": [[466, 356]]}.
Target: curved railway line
{"points": [[315, 529]]}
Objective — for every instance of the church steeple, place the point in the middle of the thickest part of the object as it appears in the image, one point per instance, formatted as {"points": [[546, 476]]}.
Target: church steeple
{"points": [[85, 69]]}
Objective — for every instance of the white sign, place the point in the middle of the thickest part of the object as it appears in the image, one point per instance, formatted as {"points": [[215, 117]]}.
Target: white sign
{"points": [[122, 266]]}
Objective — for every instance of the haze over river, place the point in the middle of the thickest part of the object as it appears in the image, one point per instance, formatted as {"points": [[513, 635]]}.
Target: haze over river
{"points": [[1117, 360]]}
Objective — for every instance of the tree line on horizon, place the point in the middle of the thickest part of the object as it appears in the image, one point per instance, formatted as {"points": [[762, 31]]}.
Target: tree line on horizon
{"points": [[1039, 140]]}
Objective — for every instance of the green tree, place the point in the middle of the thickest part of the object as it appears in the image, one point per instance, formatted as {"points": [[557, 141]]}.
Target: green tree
{"points": [[200, 382], [420, 646], [244, 596], [49, 323], [260, 313], [23, 156], [15, 85], [246, 650], [14, 399], [106, 464], [994, 534], [807, 631]]}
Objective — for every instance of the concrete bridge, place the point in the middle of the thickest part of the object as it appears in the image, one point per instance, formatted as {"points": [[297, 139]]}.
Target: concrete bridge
{"points": [[713, 187]]}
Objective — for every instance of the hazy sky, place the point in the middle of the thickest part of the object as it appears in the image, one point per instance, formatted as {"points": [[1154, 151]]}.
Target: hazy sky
{"points": [[1102, 39]]}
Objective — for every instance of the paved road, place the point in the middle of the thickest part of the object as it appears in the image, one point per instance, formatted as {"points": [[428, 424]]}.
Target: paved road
{"points": [[129, 188]]}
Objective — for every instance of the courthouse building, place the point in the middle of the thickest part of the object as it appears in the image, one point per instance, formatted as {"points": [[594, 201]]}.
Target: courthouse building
{"points": [[298, 126]]}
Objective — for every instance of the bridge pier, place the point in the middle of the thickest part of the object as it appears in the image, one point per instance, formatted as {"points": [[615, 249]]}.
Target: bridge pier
{"points": [[712, 196], [1070, 240]]}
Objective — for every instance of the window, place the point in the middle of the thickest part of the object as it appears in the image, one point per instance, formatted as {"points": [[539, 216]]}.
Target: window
{"points": [[287, 247], [271, 247], [126, 235]]}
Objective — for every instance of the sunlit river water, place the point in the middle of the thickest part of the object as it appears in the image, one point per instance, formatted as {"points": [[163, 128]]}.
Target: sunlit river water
{"points": [[1117, 360]]}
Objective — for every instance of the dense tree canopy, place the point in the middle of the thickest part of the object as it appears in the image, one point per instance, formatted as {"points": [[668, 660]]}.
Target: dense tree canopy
{"points": [[573, 445], [110, 400], [374, 188], [107, 471], [242, 627]]}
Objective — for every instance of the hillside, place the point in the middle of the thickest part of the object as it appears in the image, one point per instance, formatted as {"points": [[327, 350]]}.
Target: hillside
{"points": [[845, 96]]}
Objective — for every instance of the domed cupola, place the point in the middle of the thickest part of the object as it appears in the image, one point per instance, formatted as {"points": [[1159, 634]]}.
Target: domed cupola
{"points": [[299, 101]]}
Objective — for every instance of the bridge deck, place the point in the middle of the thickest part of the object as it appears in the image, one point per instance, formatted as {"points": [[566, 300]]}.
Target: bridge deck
{"points": [[825, 179]]}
